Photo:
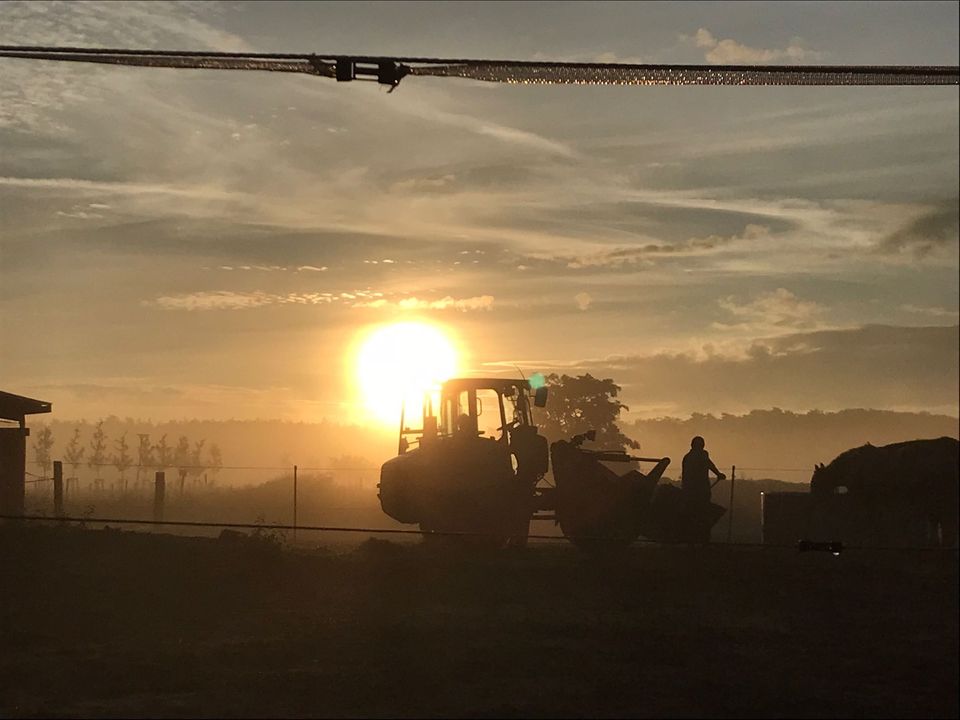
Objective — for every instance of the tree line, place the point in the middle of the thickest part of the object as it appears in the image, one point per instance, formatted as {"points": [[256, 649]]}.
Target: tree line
{"points": [[191, 459]]}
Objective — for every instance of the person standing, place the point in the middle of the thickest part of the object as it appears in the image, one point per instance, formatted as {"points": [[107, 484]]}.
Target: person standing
{"points": [[695, 482]]}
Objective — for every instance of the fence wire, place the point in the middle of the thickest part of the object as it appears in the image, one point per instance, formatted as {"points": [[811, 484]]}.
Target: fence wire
{"points": [[833, 548]]}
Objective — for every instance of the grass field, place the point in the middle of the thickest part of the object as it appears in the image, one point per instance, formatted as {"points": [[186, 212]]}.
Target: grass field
{"points": [[109, 623]]}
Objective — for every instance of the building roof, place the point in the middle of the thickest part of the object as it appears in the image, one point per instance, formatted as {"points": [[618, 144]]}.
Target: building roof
{"points": [[15, 407]]}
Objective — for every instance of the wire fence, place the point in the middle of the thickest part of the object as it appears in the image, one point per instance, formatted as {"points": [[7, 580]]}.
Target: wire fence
{"points": [[149, 486], [109, 477], [294, 471], [833, 547]]}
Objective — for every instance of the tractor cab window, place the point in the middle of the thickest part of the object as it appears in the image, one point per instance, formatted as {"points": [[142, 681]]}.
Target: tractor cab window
{"points": [[489, 418], [456, 415], [512, 407]]}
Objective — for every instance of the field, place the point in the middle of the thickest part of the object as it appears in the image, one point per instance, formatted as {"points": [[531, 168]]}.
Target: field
{"points": [[107, 623]]}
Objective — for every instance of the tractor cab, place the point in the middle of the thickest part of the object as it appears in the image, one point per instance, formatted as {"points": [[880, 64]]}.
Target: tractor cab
{"points": [[473, 463], [487, 408]]}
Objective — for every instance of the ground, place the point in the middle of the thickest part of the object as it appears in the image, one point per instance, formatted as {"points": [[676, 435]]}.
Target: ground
{"points": [[103, 623]]}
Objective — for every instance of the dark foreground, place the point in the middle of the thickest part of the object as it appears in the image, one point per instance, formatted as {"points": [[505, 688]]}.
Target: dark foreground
{"points": [[103, 623]]}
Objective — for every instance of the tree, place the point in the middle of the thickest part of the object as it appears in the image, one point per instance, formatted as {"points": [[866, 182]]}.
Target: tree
{"points": [[144, 454], [74, 454], [578, 404], [98, 453], [164, 454], [41, 448], [216, 462], [121, 460], [181, 458], [196, 463]]}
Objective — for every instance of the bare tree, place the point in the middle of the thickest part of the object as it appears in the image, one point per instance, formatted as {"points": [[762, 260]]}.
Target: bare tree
{"points": [[98, 454], [164, 456], [181, 458], [144, 455], [74, 456], [121, 460], [196, 464], [216, 462], [41, 449]]}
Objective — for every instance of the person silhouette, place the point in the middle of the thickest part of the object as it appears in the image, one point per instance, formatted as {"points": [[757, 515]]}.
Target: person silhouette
{"points": [[695, 482]]}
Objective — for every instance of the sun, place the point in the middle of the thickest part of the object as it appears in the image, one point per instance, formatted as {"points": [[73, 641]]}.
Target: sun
{"points": [[399, 362]]}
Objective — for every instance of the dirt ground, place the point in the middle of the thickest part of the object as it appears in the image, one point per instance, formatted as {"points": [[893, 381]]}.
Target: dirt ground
{"points": [[103, 623]]}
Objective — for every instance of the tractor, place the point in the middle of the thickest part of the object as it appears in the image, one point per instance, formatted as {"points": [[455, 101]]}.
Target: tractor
{"points": [[476, 467]]}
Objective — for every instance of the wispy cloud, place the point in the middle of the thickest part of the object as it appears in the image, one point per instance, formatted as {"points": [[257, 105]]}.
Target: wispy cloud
{"points": [[640, 255], [480, 126], [98, 187], [231, 300], [36, 93], [479, 302]]}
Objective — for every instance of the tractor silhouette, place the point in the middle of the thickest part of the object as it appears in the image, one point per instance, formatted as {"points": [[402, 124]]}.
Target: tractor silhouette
{"points": [[476, 467]]}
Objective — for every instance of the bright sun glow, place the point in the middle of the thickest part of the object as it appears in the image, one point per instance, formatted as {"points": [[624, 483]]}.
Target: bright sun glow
{"points": [[400, 362]]}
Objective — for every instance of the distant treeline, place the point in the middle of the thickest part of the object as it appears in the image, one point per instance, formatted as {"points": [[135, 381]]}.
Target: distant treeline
{"points": [[770, 443], [271, 443]]}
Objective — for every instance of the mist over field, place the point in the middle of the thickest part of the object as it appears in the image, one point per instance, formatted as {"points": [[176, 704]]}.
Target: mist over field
{"points": [[764, 443]]}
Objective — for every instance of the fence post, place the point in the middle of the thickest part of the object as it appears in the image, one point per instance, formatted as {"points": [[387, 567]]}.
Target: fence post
{"points": [[159, 493], [733, 481], [294, 503], [58, 488]]}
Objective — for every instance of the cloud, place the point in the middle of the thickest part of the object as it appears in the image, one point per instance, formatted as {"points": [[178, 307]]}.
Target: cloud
{"points": [[626, 257], [79, 215], [939, 312], [425, 184], [583, 300], [84, 186], [480, 126], [731, 52], [479, 302], [230, 300], [877, 366], [36, 92], [214, 300], [933, 231], [206, 300], [778, 310]]}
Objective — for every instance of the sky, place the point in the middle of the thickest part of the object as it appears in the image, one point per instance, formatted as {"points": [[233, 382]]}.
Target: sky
{"points": [[211, 244]]}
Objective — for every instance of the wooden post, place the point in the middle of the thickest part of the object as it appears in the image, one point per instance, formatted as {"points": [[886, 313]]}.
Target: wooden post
{"points": [[159, 494], [58, 488], [733, 480], [294, 503]]}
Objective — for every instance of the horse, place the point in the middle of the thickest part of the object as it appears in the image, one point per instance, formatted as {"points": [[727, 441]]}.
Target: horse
{"points": [[905, 492]]}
